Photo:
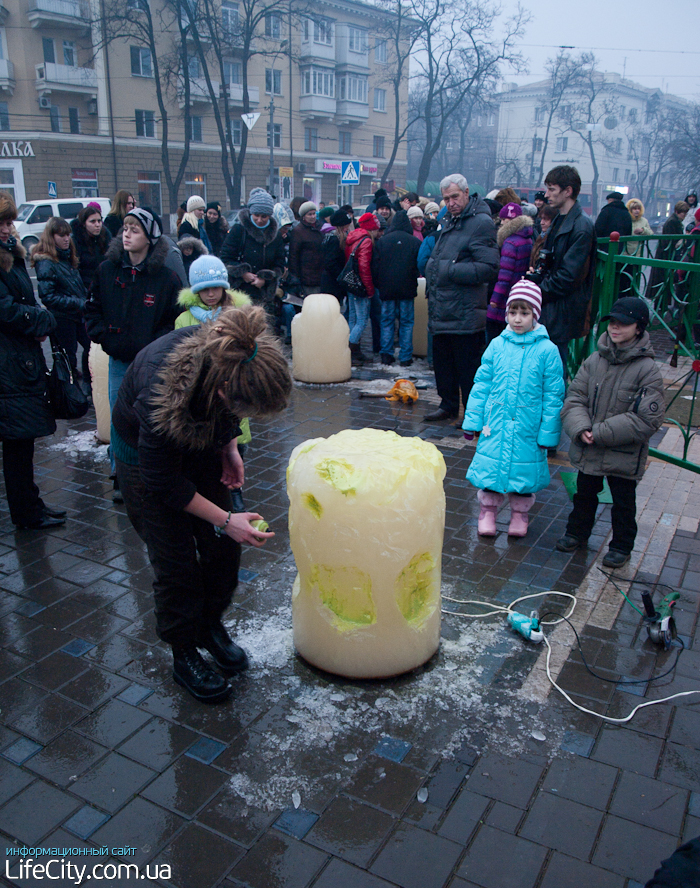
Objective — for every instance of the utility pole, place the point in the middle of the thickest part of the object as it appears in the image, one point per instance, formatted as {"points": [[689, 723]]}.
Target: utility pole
{"points": [[272, 129]]}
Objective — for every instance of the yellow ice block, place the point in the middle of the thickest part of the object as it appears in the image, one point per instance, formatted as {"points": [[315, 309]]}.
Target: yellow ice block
{"points": [[320, 350], [366, 522]]}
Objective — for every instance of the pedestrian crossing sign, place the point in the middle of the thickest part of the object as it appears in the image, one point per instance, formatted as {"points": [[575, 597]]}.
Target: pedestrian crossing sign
{"points": [[350, 172]]}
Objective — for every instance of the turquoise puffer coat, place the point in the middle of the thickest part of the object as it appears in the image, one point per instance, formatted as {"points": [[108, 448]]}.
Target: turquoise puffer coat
{"points": [[515, 402]]}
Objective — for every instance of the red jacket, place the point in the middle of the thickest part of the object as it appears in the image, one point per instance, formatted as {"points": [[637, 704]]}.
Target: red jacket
{"points": [[364, 256]]}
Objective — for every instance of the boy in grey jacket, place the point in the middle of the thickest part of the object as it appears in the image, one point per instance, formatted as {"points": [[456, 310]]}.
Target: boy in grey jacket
{"points": [[613, 407]]}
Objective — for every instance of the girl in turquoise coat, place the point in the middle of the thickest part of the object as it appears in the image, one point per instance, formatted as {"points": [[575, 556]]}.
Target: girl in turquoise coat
{"points": [[515, 403]]}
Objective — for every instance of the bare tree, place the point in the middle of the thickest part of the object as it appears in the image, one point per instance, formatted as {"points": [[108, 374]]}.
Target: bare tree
{"points": [[684, 143], [510, 160], [650, 146]]}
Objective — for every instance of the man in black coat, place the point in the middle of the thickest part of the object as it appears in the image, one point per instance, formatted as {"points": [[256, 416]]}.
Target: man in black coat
{"points": [[567, 280], [395, 274], [614, 217]]}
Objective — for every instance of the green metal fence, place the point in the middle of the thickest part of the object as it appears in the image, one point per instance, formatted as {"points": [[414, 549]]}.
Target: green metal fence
{"points": [[671, 288]]}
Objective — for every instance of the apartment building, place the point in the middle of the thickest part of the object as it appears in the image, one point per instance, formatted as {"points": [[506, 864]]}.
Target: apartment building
{"points": [[81, 111]]}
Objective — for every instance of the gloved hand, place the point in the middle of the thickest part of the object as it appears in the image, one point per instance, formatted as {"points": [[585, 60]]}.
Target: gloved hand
{"points": [[469, 436]]}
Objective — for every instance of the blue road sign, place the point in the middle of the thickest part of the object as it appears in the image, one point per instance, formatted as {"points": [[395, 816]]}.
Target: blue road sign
{"points": [[350, 172], [53, 191]]}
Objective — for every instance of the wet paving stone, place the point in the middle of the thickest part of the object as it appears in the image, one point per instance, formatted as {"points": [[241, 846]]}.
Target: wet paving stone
{"points": [[563, 825], [567, 872], [581, 780], [342, 875], [185, 786], [112, 782], [232, 816], [84, 823], [34, 811], [278, 861], [140, 825], [350, 830], [681, 767], [496, 859], [48, 718], [506, 779], [627, 749], [650, 802], [12, 780], [387, 785], [62, 760], [198, 857], [158, 743], [414, 858], [112, 723], [631, 849]]}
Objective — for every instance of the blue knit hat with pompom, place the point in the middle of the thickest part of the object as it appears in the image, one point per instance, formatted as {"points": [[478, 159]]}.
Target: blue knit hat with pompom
{"points": [[208, 271]]}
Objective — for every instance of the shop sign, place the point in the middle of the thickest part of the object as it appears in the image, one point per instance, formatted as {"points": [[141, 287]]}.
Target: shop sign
{"points": [[336, 166], [17, 149], [368, 169]]}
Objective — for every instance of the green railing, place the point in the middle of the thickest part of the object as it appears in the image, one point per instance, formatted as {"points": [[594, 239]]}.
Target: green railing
{"points": [[671, 289]]}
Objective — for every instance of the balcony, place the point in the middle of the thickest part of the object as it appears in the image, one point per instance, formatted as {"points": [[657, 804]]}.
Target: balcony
{"points": [[58, 13], [199, 91], [235, 95], [310, 51], [7, 76], [346, 57], [65, 78], [317, 107], [349, 113]]}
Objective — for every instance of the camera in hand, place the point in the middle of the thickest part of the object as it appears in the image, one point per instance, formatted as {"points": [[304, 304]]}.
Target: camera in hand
{"points": [[544, 262]]}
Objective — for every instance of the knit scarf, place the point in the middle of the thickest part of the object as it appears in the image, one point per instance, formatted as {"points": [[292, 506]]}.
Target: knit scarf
{"points": [[204, 314]]}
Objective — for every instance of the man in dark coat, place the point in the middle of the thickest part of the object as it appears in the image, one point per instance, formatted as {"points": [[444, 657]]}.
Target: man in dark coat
{"points": [[395, 273], [567, 280], [463, 263], [614, 217]]}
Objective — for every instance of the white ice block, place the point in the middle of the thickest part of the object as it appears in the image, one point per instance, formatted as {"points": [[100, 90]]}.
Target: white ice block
{"points": [[366, 522], [98, 362], [420, 321], [320, 350]]}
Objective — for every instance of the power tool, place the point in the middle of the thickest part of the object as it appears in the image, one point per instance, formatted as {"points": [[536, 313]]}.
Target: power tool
{"points": [[661, 627], [528, 627]]}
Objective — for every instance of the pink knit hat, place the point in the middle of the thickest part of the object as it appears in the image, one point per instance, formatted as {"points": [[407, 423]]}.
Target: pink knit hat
{"points": [[529, 292], [510, 211]]}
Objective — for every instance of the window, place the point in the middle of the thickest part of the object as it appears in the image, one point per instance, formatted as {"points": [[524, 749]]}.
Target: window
{"points": [[145, 124], [618, 146], [562, 143], [273, 26], [491, 119], [616, 173], [69, 210], [236, 130], [627, 177], [380, 52], [344, 143], [378, 146], [277, 135], [633, 115], [479, 120], [310, 139], [273, 82], [379, 100], [4, 116], [357, 40], [539, 115], [537, 145], [193, 67], [55, 117], [85, 183], [196, 183], [137, 4], [565, 111], [74, 120], [229, 17], [149, 190], [322, 30], [195, 129], [69, 54], [49, 51], [232, 72], [318, 82], [353, 88], [141, 63], [623, 111]]}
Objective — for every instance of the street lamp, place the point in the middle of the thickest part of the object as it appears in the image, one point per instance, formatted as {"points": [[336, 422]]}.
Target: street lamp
{"points": [[271, 108]]}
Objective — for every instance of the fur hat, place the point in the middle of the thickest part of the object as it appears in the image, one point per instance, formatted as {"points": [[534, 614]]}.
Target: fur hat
{"points": [[510, 211], [306, 207], [150, 223], [368, 222], [431, 207], [339, 219], [283, 215], [540, 195], [208, 271], [382, 201], [8, 208], [526, 291], [195, 203], [261, 201], [415, 213]]}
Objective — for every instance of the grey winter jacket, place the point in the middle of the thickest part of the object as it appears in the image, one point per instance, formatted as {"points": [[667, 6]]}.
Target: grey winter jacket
{"points": [[463, 263], [618, 395]]}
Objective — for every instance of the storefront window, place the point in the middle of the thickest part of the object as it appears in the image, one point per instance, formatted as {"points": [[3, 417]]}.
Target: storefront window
{"points": [[196, 184], [85, 183], [149, 190]]}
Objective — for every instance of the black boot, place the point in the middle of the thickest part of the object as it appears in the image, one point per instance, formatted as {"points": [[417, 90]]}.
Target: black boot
{"points": [[356, 356], [227, 655], [197, 677]]}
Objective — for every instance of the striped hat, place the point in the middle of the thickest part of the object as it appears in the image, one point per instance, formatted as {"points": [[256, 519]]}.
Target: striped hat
{"points": [[526, 291]]}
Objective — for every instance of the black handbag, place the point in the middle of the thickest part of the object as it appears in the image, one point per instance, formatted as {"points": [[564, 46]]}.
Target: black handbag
{"points": [[68, 400], [349, 277]]}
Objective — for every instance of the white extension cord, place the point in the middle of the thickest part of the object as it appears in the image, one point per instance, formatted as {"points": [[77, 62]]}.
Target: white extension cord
{"points": [[497, 609]]}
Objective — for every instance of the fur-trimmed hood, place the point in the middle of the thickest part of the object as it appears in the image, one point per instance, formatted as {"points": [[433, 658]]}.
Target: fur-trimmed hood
{"points": [[512, 226], [116, 254], [198, 247], [235, 297], [261, 235], [7, 257]]}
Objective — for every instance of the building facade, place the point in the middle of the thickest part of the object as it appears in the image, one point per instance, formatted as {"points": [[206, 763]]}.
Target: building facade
{"points": [[78, 104]]}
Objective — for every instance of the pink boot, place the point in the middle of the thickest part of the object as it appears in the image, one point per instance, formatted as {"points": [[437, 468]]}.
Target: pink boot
{"points": [[519, 507], [490, 502]]}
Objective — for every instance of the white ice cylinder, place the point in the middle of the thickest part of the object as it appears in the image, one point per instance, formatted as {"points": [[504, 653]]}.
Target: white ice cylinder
{"points": [[420, 321], [320, 350], [98, 362], [366, 522]]}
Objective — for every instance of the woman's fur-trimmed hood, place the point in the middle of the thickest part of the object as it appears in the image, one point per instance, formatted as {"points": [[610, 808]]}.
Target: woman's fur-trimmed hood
{"points": [[198, 247], [512, 226], [262, 235], [234, 297], [7, 257], [116, 254]]}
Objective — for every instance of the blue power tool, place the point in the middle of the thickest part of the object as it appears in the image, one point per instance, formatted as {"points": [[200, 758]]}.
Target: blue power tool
{"points": [[528, 627]]}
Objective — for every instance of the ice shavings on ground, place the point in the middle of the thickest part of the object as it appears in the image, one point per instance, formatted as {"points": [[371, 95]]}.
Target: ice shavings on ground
{"points": [[82, 442], [437, 709]]}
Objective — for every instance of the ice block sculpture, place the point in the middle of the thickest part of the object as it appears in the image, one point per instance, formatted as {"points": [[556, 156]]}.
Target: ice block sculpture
{"points": [[320, 350], [98, 362], [366, 521]]}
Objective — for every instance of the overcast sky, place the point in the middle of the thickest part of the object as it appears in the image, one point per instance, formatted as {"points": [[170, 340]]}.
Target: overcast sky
{"points": [[654, 42]]}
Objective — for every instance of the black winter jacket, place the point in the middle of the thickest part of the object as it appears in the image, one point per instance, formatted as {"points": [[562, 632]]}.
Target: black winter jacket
{"points": [[131, 306], [171, 462], [255, 250], [333, 262], [61, 289], [613, 217], [216, 234], [463, 263], [305, 260], [91, 250], [24, 408], [566, 287], [395, 261]]}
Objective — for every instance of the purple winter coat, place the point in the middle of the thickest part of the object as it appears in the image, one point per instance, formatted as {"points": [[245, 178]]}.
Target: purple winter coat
{"points": [[515, 241]]}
